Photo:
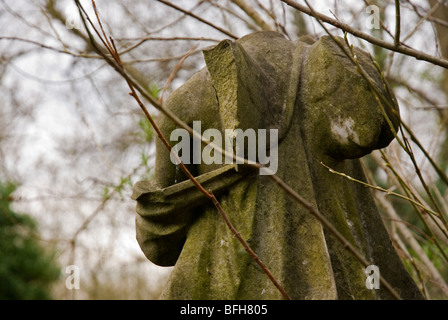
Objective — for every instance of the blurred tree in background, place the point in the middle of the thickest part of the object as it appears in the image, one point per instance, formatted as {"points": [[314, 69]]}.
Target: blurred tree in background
{"points": [[27, 269]]}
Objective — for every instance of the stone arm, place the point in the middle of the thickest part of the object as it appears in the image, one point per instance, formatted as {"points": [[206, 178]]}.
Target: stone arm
{"points": [[168, 204], [164, 214]]}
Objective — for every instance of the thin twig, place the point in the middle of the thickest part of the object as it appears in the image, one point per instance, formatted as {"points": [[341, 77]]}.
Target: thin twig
{"points": [[388, 192], [397, 23], [249, 23], [413, 243], [253, 14], [420, 22], [398, 181], [419, 55], [175, 70], [428, 14], [144, 39], [191, 14], [44, 46], [164, 59]]}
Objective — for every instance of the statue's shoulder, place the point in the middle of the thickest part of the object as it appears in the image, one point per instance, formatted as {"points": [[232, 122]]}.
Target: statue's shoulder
{"points": [[193, 98], [198, 83], [260, 37]]}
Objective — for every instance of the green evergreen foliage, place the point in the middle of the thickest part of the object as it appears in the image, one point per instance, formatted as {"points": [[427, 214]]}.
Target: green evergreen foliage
{"points": [[26, 268]]}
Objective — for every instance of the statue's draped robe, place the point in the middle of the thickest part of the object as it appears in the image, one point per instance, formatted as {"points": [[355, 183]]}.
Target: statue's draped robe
{"points": [[326, 112]]}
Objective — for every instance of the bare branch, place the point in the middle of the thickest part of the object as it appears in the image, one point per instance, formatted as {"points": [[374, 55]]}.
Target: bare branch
{"points": [[419, 55], [397, 23], [198, 18], [253, 14]]}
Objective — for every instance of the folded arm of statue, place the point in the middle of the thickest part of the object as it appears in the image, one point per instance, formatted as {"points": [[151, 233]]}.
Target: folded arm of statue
{"points": [[164, 214]]}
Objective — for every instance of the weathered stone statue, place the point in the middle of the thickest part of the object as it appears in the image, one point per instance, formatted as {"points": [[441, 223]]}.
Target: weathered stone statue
{"points": [[324, 111]]}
